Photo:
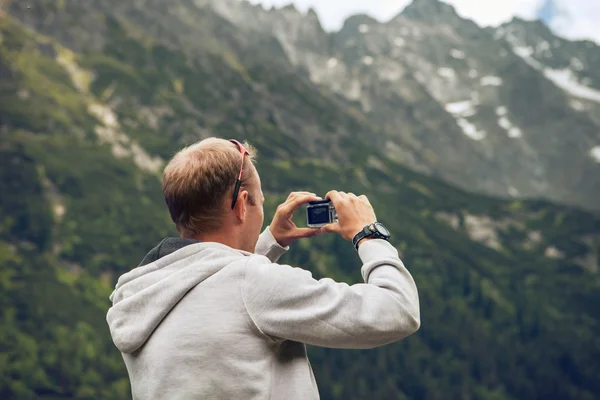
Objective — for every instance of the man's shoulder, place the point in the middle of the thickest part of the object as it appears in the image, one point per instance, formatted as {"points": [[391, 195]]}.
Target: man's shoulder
{"points": [[259, 267]]}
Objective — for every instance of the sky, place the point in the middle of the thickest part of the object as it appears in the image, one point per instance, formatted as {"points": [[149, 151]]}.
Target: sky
{"points": [[572, 19]]}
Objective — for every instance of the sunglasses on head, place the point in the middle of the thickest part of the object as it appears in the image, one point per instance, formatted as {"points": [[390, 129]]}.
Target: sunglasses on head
{"points": [[244, 152]]}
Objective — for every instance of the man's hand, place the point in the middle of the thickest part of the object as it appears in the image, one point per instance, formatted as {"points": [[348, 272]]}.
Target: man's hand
{"points": [[354, 213], [283, 228]]}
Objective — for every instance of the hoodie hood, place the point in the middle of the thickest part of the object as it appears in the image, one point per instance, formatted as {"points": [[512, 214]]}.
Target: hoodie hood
{"points": [[144, 296]]}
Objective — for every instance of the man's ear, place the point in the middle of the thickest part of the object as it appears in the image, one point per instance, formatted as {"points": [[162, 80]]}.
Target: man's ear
{"points": [[241, 206]]}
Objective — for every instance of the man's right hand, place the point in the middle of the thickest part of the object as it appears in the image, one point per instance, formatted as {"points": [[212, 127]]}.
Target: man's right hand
{"points": [[354, 213]]}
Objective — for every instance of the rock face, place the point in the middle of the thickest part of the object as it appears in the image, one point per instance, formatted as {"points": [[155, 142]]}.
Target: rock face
{"points": [[513, 111]]}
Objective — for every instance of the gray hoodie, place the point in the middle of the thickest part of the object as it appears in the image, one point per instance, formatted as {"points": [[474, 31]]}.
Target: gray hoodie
{"points": [[205, 321]]}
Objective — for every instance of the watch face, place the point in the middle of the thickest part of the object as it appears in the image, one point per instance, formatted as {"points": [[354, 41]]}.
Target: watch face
{"points": [[382, 229]]}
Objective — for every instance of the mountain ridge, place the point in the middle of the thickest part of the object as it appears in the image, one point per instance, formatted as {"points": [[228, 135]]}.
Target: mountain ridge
{"points": [[543, 173]]}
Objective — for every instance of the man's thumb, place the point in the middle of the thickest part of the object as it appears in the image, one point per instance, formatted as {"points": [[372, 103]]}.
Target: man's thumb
{"points": [[331, 228]]}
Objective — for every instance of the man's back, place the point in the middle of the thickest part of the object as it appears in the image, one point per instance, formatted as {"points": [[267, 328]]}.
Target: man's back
{"points": [[208, 321], [207, 347]]}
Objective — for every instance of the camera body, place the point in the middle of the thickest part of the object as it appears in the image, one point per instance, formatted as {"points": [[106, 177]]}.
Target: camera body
{"points": [[321, 213]]}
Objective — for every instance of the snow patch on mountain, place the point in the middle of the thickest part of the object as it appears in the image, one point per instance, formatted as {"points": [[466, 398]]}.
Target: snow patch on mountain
{"points": [[471, 130], [459, 55], [368, 60], [446, 73], [576, 64], [578, 105], [400, 42], [491, 81], [503, 121], [525, 53], [595, 152], [542, 49], [461, 108], [567, 81]]}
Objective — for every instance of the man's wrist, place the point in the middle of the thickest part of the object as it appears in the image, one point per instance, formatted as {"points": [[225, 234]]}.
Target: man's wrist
{"points": [[371, 231], [361, 241], [280, 242]]}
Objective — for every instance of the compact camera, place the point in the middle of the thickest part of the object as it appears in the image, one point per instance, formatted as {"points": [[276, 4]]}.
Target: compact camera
{"points": [[321, 213]]}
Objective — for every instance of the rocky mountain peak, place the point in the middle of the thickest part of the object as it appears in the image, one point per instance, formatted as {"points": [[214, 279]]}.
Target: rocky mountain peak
{"points": [[290, 7], [573, 65], [527, 31], [359, 19], [312, 14], [428, 10], [359, 24], [536, 25]]}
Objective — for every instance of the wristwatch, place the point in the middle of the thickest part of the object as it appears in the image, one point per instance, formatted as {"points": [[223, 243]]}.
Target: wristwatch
{"points": [[376, 230]]}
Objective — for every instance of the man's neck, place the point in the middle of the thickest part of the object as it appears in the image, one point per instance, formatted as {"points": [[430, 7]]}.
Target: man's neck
{"points": [[226, 238]]}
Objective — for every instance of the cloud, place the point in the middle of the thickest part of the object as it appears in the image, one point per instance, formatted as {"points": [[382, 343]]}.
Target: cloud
{"points": [[577, 19], [493, 13], [574, 19]]}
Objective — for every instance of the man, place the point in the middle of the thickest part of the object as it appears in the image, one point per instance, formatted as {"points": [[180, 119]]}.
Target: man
{"points": [[211, 315]]}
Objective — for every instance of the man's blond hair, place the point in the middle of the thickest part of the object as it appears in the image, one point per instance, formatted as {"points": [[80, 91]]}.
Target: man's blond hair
{"points": [[198, 184]]}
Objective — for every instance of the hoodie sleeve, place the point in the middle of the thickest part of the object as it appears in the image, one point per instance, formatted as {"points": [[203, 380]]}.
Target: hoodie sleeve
{"points": [[267, 246], [287, 303]]}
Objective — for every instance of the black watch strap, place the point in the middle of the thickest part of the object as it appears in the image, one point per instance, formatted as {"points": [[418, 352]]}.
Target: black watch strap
{"points": [[369, 231]]}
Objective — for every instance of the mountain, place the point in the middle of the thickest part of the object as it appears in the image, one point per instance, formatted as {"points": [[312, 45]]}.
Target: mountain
{"points": [[96, 96], [455, 101]]}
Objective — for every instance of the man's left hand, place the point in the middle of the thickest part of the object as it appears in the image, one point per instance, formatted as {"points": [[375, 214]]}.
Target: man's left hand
{"points": [[283, 228]]}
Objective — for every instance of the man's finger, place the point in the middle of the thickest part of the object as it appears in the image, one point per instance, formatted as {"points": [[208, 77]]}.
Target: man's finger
{"points": [[303, 199], [301, 233], [295, 195], [331, 228], [293, 204], [334, 196]]}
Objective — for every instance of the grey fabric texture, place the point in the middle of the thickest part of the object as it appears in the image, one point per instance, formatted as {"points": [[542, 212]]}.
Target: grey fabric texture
{"points": [[200, 320]]}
